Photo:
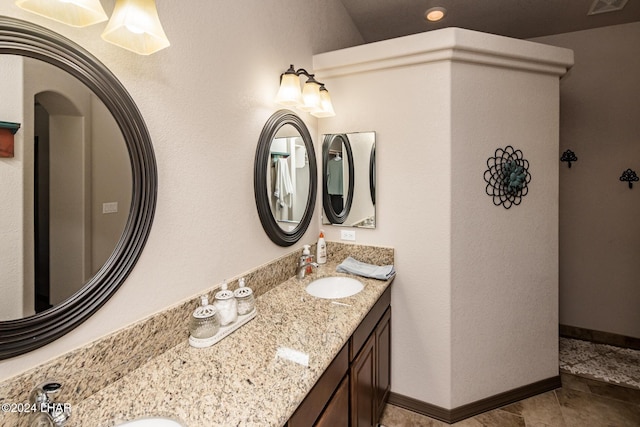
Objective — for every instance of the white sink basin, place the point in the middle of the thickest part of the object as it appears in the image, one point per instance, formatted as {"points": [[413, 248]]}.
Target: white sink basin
{"points": [[151, 422], [334, 287]]}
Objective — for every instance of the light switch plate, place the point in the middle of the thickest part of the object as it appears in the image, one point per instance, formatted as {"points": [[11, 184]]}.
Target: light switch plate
{"points": [[348, 235]]}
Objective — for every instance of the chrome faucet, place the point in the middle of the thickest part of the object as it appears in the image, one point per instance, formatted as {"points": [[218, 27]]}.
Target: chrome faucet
{"points": [[48, 412], [303, 265]]}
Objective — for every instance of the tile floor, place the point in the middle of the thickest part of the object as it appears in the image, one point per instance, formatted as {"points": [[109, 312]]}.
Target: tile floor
{"points": [[581, 402], [603, 362]]}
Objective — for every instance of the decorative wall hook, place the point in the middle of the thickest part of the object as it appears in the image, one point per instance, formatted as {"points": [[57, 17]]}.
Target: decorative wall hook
{"points": [[568, 156], [629, 176]]}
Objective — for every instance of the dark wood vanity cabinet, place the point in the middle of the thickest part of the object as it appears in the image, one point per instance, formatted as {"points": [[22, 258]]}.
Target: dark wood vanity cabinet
{"points": [[383, 362], [336, 413], [355, 387], [370, 375], [363, 386]]}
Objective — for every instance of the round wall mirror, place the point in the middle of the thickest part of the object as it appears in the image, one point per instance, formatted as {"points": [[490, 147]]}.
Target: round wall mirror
{"points": [[87, 186], [338, 177], [285, 182]]}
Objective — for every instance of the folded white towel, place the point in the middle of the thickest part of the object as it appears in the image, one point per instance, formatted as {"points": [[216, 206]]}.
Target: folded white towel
{"points": [[353, 266]]}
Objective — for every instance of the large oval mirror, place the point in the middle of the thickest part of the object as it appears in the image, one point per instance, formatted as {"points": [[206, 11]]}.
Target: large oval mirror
{"points": [[77, 222], [349, 179], [285, 182]]}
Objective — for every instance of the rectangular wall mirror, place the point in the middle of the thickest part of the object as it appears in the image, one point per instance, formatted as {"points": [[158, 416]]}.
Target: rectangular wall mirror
{"points": [[349, 179]]}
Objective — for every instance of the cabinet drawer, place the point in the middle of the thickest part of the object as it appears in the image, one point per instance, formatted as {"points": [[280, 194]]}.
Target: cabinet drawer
{"points": [[370, 321], [315, 402]]}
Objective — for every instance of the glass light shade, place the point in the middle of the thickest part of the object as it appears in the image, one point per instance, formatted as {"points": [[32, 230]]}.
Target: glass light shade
{"points": [[77, 13], [311, 97], [135, 26], [325, 104], [289, 93]]}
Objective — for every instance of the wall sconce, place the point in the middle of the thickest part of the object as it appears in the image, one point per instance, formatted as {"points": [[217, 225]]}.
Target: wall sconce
{"points": [[134, 24], [313, 98], [77, 13]]}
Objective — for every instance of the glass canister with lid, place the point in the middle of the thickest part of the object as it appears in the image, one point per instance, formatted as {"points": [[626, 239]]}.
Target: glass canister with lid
{"points": [[244, 297], [227, 305], [204, 325]]}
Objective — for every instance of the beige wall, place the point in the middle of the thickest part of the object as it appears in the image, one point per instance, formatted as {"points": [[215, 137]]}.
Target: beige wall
{"points": [[412, 211], [475, 299], [111, 182], [599, 227], [504, 262], [11, 201], [67, 207], [205, 100]]}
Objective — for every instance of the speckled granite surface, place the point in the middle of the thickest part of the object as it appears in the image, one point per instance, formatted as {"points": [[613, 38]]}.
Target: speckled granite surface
{"points": [[240, 381], [149, 369]]}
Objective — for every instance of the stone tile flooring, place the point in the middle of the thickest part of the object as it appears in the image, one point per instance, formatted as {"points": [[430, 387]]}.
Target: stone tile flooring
{"points": [[581, 402], [600, 361]]}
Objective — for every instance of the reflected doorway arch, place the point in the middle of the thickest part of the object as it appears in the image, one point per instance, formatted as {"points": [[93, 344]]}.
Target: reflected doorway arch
{"points": [[61, 200]]}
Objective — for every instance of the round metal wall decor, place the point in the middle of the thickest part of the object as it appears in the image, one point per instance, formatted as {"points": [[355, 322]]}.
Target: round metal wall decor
{"points": [[507, 177]]}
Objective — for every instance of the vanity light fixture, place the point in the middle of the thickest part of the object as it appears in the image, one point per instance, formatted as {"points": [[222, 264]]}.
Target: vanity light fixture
{"points": [[135, 26], [313, 98], [435, 14], [77, 13]]}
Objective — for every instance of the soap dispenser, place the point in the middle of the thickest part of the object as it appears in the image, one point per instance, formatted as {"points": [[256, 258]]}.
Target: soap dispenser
{"points": [[205, 324], [307, 258], [227, 305]]}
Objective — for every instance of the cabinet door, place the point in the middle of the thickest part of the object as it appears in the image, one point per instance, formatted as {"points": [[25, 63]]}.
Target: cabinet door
{"points": [[311, 408], [336, 414], [363, 388], [383, 362]]}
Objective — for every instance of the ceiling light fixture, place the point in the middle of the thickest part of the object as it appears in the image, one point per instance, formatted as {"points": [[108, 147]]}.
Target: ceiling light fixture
{"points": [[135, 26], [77, 13], [313, 98], [435, 14]]}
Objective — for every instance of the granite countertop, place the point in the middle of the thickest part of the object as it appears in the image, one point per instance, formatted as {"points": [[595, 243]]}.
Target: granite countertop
{"points": [[240, 381]]}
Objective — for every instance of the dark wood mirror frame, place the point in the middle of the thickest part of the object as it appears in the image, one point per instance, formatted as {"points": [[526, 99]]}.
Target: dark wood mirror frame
{"points": [[333, 216], [25, 39], [372, 174], [271, 227]]}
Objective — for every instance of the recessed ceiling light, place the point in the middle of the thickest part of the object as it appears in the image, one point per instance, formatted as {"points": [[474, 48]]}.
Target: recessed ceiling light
{"points": [[435, 14]]}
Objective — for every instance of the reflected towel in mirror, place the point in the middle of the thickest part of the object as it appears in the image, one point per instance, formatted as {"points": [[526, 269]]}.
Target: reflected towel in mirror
{"points": [[284, 187]]}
